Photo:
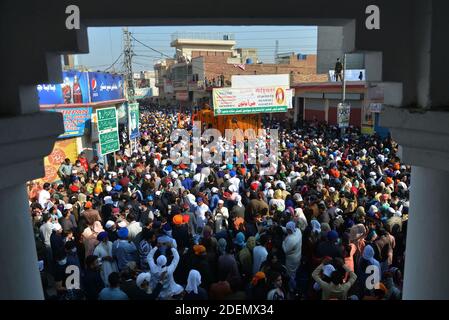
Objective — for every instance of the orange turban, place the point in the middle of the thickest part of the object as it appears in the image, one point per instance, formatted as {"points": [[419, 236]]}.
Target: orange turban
{"points": [[258, 276], [177, 219], [238, 222], [388, 180], [199, 249]]}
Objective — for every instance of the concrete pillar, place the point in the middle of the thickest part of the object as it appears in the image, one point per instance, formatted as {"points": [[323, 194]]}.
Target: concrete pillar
{"points": [[427, 252], [424, 143], [18, 258]]}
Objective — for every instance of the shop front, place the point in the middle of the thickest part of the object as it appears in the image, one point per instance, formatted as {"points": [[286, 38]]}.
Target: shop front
{"points": [[78, 98]]}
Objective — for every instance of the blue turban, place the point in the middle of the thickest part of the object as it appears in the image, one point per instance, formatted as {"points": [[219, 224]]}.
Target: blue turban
{"points": [[232, 173], [289, 203], [123, 233], [102, 235], [332, 235], [240, 239]]}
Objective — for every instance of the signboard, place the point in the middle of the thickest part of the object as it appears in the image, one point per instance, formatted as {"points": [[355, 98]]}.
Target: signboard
{"points": [[228, 101], [141, 93], [133, 121], [63, 149], [343, 115], [351, 75], [107, 124], [74, 89], [258, 81], [375, 107], [105, 86], [290, 95], [168, 86], [75, 120], [182, 96]]}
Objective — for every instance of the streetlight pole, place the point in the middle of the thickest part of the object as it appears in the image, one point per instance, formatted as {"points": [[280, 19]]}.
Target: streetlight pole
{"points": [[344, 78], [342, 129]]}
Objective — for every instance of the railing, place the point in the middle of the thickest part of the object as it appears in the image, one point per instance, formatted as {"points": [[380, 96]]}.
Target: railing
{"points": [[202, 36]]}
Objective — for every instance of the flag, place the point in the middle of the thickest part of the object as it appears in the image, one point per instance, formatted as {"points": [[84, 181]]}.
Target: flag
{"points": [[241, 66]]}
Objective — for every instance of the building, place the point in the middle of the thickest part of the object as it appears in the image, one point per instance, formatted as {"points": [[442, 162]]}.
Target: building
{"points": [[145, 85], [186, 43], [248, 55], [210, 61]]}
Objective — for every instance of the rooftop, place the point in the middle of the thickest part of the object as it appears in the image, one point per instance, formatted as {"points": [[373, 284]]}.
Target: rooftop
{"points": [[202, 36]]}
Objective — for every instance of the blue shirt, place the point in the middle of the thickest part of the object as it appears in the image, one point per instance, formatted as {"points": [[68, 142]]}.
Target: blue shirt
{"points": [[124, 252], [187, 183], [214, 202], [112, 294]]}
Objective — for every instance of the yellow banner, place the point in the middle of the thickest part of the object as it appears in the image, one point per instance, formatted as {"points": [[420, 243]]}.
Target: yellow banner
{"points": [[63, 149]]}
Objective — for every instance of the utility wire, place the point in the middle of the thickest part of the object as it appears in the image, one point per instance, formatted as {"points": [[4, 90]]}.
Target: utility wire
{"points": [[308, 28], [114, 62], [150, 47]]}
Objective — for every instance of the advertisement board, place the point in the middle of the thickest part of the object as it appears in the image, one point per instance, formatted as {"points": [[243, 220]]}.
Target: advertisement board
{"points": [[63, 149], [75, 120], [133, 120], [290, 94], [107, 126], [228, 101], [168, 86], [74, 89], [351, 75], [375, 107], [343, 114], [105, 86], [258, 81], [182, 96], [141, 93]]}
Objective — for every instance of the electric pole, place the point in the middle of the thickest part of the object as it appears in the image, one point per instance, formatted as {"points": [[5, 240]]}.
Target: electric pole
{"points": [[276, 51], [127, 61]]}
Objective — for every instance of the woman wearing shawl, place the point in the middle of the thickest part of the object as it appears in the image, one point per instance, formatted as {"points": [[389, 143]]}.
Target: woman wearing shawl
{"points": [[104, 251], [292, 248], [170, 287], [238, 210], [366, 261], [89, 237], [227, 265], [193, 290]]}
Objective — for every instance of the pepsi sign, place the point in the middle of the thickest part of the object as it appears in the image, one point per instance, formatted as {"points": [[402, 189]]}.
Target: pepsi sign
{"points": [[105, 86]]}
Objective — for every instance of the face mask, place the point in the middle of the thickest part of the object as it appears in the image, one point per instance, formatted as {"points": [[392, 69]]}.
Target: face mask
{"points": [[62, 262], [74, 250]]}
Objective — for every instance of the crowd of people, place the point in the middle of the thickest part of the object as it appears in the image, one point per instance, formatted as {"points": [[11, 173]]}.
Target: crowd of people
{"points": [[331, 218]]}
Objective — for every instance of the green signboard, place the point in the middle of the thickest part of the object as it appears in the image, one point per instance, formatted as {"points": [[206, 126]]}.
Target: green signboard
{"points": [[107, 124]]}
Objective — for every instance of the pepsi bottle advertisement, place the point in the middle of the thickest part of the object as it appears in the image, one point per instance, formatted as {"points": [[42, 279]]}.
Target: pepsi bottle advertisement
{"points": [[73, 90]]}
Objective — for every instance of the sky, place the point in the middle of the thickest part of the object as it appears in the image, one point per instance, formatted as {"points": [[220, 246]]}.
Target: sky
{"points": [[106, 44]]}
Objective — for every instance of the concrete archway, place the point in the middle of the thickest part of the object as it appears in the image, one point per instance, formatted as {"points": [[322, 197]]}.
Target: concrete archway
{"points": [[408, 52]]}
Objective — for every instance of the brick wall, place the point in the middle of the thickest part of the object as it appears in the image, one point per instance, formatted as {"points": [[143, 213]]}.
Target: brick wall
{"points": [[215, 64]]}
